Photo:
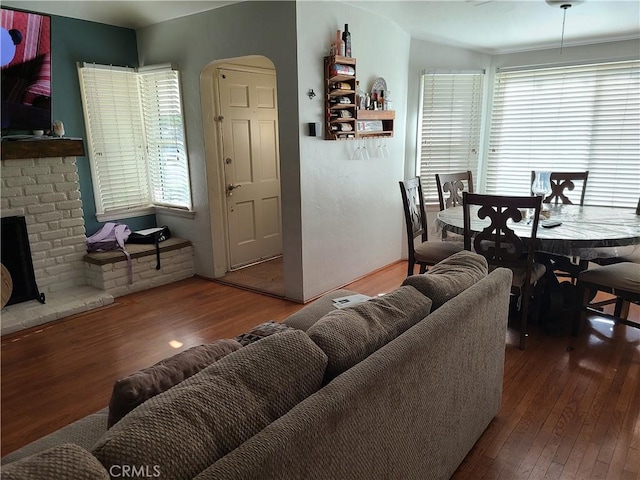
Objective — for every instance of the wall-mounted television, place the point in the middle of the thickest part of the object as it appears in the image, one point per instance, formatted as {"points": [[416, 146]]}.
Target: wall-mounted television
{"points": [[26, 70]]}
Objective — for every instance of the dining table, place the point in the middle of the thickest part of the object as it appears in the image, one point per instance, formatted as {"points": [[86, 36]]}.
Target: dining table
{"points": [[585, 232]]}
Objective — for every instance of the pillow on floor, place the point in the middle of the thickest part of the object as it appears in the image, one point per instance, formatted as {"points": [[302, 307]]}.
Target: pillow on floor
{"points": [[137, 388], [450, 277], [260, 331], [349, 335]]}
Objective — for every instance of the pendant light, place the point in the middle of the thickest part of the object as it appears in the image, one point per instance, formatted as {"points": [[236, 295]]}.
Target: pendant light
{"points": [[564, 5]]}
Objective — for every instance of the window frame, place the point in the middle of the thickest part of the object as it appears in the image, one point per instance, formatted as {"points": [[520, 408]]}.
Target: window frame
{"points": [[470, 96], [580, 106], [131, 114]]}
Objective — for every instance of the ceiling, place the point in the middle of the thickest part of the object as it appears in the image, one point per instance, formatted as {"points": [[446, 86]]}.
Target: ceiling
{"points": [[489, 26]]}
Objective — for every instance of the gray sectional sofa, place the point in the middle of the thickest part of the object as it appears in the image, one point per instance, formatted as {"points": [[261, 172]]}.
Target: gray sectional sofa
{"points": [[398, 387]]}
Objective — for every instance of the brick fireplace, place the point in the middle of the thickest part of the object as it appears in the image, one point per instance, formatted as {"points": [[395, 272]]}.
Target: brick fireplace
{"points": [[45, 191]]}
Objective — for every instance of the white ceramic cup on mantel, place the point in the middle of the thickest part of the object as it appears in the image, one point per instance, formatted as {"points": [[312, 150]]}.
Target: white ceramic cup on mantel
{"points": [[58, 128]]}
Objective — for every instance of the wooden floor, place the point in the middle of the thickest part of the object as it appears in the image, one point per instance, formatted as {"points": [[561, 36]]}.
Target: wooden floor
{"points": [[566, 413]]}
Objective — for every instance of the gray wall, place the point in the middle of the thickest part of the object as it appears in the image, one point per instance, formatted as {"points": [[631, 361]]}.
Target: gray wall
{"points": [[247, 28]]}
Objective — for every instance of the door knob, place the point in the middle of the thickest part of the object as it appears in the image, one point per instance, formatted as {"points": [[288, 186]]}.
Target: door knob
{"points": [[231, 187]]}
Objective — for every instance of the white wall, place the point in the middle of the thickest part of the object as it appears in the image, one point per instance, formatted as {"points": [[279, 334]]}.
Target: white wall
{"points": [[351, 209], [247, 28]]}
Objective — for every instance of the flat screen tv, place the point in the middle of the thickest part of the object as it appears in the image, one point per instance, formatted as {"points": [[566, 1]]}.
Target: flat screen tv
{"points": [[26, 71]]}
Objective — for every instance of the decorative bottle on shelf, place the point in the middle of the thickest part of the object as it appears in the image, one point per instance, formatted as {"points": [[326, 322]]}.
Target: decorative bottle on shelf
{"points": [[339, 44], [346, 38], [381, 100], [360, 98]]}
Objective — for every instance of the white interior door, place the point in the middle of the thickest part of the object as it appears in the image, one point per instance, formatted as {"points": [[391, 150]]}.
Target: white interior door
{"points": [[248, 105]]}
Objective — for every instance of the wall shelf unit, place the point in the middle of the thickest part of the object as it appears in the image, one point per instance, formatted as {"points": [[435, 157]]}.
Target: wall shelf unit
{"points": [[340, 97], [343, 120], [375, 123]]}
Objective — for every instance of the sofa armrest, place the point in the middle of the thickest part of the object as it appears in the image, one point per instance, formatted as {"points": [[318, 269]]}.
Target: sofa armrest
{"points": [[84, 432]]}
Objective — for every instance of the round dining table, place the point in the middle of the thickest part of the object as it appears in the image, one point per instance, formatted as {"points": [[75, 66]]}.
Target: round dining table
{"points": [[586, 232]]}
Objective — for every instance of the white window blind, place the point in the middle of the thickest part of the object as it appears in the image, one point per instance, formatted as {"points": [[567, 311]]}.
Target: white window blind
{"points": [[449, 126], [570, 118], [114, 137], [135, 135], [165, 139]]}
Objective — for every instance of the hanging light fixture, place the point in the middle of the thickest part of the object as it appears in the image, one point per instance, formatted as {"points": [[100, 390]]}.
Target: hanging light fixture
{"points": [[564, 5]]}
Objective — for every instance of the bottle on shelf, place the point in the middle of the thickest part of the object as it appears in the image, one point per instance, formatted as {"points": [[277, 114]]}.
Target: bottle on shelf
{"points": [[346, 39], [381, 100], [360, 98], [340, 48]]}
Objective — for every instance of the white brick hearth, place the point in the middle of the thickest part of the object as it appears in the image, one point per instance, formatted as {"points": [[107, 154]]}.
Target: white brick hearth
{"points": [[46, 192]]}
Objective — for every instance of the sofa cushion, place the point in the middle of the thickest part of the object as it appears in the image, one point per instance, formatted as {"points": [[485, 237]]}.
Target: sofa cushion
{"points": [[351, 334], [137, 388], [449, 277], [310, 314], [67, 461], [260, 331], [187, 428]]}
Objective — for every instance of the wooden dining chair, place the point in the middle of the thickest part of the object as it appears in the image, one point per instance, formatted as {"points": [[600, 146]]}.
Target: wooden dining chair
{"points": [[625, 253], [621, 280], [450, 188], [502, 247], [561, 181], [423, 251], [453, 184]]}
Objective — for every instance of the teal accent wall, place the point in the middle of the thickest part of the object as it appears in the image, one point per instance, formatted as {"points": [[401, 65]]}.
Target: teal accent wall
{"points": [[75, 41]]}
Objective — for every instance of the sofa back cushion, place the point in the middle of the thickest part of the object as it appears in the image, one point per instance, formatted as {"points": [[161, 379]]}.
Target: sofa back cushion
{"points": [[311, 313], [67, 461], [184, 430], [450, 277], [137, 388], [351, 334]]}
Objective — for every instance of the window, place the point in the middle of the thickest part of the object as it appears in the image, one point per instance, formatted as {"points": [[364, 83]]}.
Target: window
{"points": [[449, 126], [135, 135], [569, 118]]}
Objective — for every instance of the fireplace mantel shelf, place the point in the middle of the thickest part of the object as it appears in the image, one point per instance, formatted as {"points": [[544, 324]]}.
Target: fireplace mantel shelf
{"points": [[45, 148]]}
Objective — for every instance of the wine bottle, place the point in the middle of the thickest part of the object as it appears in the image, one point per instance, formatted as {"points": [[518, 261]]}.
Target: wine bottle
{"points": [[346, 38], [381, 100]]}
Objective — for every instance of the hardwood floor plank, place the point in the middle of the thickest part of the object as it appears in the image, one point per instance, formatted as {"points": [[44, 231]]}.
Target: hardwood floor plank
{"points": [[570, 406]]}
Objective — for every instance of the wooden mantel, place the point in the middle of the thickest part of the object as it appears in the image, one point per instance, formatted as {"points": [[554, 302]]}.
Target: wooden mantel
{"points": [[42, 148]]}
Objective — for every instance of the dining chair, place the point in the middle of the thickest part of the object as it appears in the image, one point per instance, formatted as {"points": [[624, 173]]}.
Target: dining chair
{"points": [[561, 181], [453, 184], [622, 280], [423, 252], [502, 247], [625, 253]]}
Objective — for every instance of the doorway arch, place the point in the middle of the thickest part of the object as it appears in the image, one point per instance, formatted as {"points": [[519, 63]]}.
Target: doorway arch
{"points": [[214, 148]]}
